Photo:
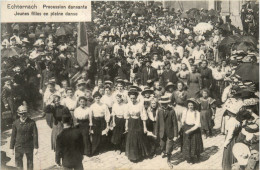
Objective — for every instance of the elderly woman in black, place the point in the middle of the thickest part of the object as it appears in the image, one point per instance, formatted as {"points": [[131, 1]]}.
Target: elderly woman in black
{"points": [[192, 144]]}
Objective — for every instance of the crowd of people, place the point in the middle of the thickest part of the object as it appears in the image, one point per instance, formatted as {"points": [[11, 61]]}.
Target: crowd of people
{"points": [[154, 77]]}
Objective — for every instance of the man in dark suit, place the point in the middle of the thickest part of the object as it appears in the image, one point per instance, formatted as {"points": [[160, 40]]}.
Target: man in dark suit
{"points": [[168, 75], [24, 139], [148, 74], [69, 146], [166, 128]]}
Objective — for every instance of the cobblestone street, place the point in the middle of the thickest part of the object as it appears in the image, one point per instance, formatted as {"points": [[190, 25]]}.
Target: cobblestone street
{"points": [[210, 159]]}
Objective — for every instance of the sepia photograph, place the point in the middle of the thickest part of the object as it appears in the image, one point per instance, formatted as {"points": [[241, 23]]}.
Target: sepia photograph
{"points": [[143, 85]]}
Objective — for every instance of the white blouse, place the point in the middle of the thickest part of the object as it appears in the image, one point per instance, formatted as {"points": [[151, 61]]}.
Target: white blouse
{"points": [[101, 110], [136, 111], [191, 117], [119, 109], [82, 113], [70, 103], [108, 100]]}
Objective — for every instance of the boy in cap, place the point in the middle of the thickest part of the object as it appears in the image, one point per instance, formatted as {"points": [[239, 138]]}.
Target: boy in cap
{"points": [[24, 129]]}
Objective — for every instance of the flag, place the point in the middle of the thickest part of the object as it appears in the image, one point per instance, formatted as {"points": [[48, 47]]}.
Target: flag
{"points": [[82, 44]]}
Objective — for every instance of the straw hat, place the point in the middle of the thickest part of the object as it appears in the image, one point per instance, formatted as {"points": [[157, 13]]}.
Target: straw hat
{"points": [[241, 153], [169, 84], [81, 81], [193, 100], [164, 99], [147, 90]]}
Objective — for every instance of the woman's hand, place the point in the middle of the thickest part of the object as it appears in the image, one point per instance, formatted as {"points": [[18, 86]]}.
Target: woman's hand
{"points": [[187, 132], [145, 130]]}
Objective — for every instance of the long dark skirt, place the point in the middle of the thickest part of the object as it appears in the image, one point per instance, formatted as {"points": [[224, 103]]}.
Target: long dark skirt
{"points": [[84, 127], [192, 145], [56, 130], [228, 159], [137, 145], [119, 129], [205, 120], [154, 143], [98, 141]]}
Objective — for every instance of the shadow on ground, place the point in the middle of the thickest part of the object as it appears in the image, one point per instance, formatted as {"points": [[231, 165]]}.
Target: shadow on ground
{"points": [[177, 158]]}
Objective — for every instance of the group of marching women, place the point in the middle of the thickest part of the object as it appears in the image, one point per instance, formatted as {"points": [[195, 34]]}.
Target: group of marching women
{"points": [[131, 120]]}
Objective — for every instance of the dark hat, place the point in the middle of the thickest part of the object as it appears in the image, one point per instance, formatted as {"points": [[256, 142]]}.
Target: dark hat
{"points": [[147, 59], [147, 90], [169, 84], [133, 91], [192, 100], [245, 94], [252, 128]]}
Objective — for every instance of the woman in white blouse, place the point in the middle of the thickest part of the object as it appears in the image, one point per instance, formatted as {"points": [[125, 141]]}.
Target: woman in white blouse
{"points": [[100, 116], [137, 145], [118, 112], [192, 144], [70, 102], [107, 98], [83, 121]]}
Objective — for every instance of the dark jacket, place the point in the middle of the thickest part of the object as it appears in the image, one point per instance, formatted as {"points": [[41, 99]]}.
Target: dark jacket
{"points": [[70, 147], [24, 136], [145, 76], [168, 76], [166, 123]]}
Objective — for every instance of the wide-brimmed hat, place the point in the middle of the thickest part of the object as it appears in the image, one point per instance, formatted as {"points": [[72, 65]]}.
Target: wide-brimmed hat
{"points": [[108, 82], [121, 81], [164, 99], [241, 152], [169, 84], [81, 81], [193, 100], [136, 87], [147, 90], [133, 91], [147, 59], [252, 128]]}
